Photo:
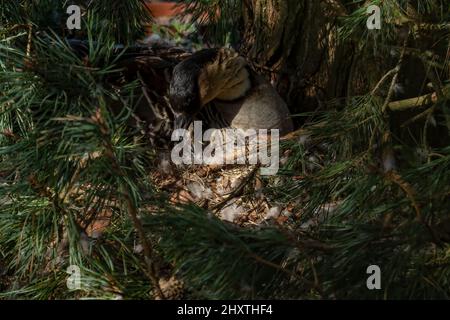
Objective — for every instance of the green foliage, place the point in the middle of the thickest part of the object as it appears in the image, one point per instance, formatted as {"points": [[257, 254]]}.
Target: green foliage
{"points": [[66, 159], [221, 18], [125, 21], [180, 33], [351, 210], [240, 262]]}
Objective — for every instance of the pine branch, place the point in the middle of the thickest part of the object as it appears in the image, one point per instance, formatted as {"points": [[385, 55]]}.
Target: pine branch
{"points": [[421, 101]]}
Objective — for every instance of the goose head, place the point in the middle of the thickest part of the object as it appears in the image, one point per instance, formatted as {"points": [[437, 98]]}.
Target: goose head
{"points": [[205, 76]]}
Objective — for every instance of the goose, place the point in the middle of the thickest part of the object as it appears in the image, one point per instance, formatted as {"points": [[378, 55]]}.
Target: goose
{"points": [[218, 87]]}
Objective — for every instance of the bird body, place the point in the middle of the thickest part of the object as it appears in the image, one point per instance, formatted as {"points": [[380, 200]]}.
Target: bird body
{"points": [[217, 86], [261, 108]]}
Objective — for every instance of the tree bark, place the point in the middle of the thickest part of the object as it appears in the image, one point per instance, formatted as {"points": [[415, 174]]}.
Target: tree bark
{"points": [[295, 42]]}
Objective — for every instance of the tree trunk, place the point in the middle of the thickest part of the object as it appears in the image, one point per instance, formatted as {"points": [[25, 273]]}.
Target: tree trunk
{"points": [[296, 43]]}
